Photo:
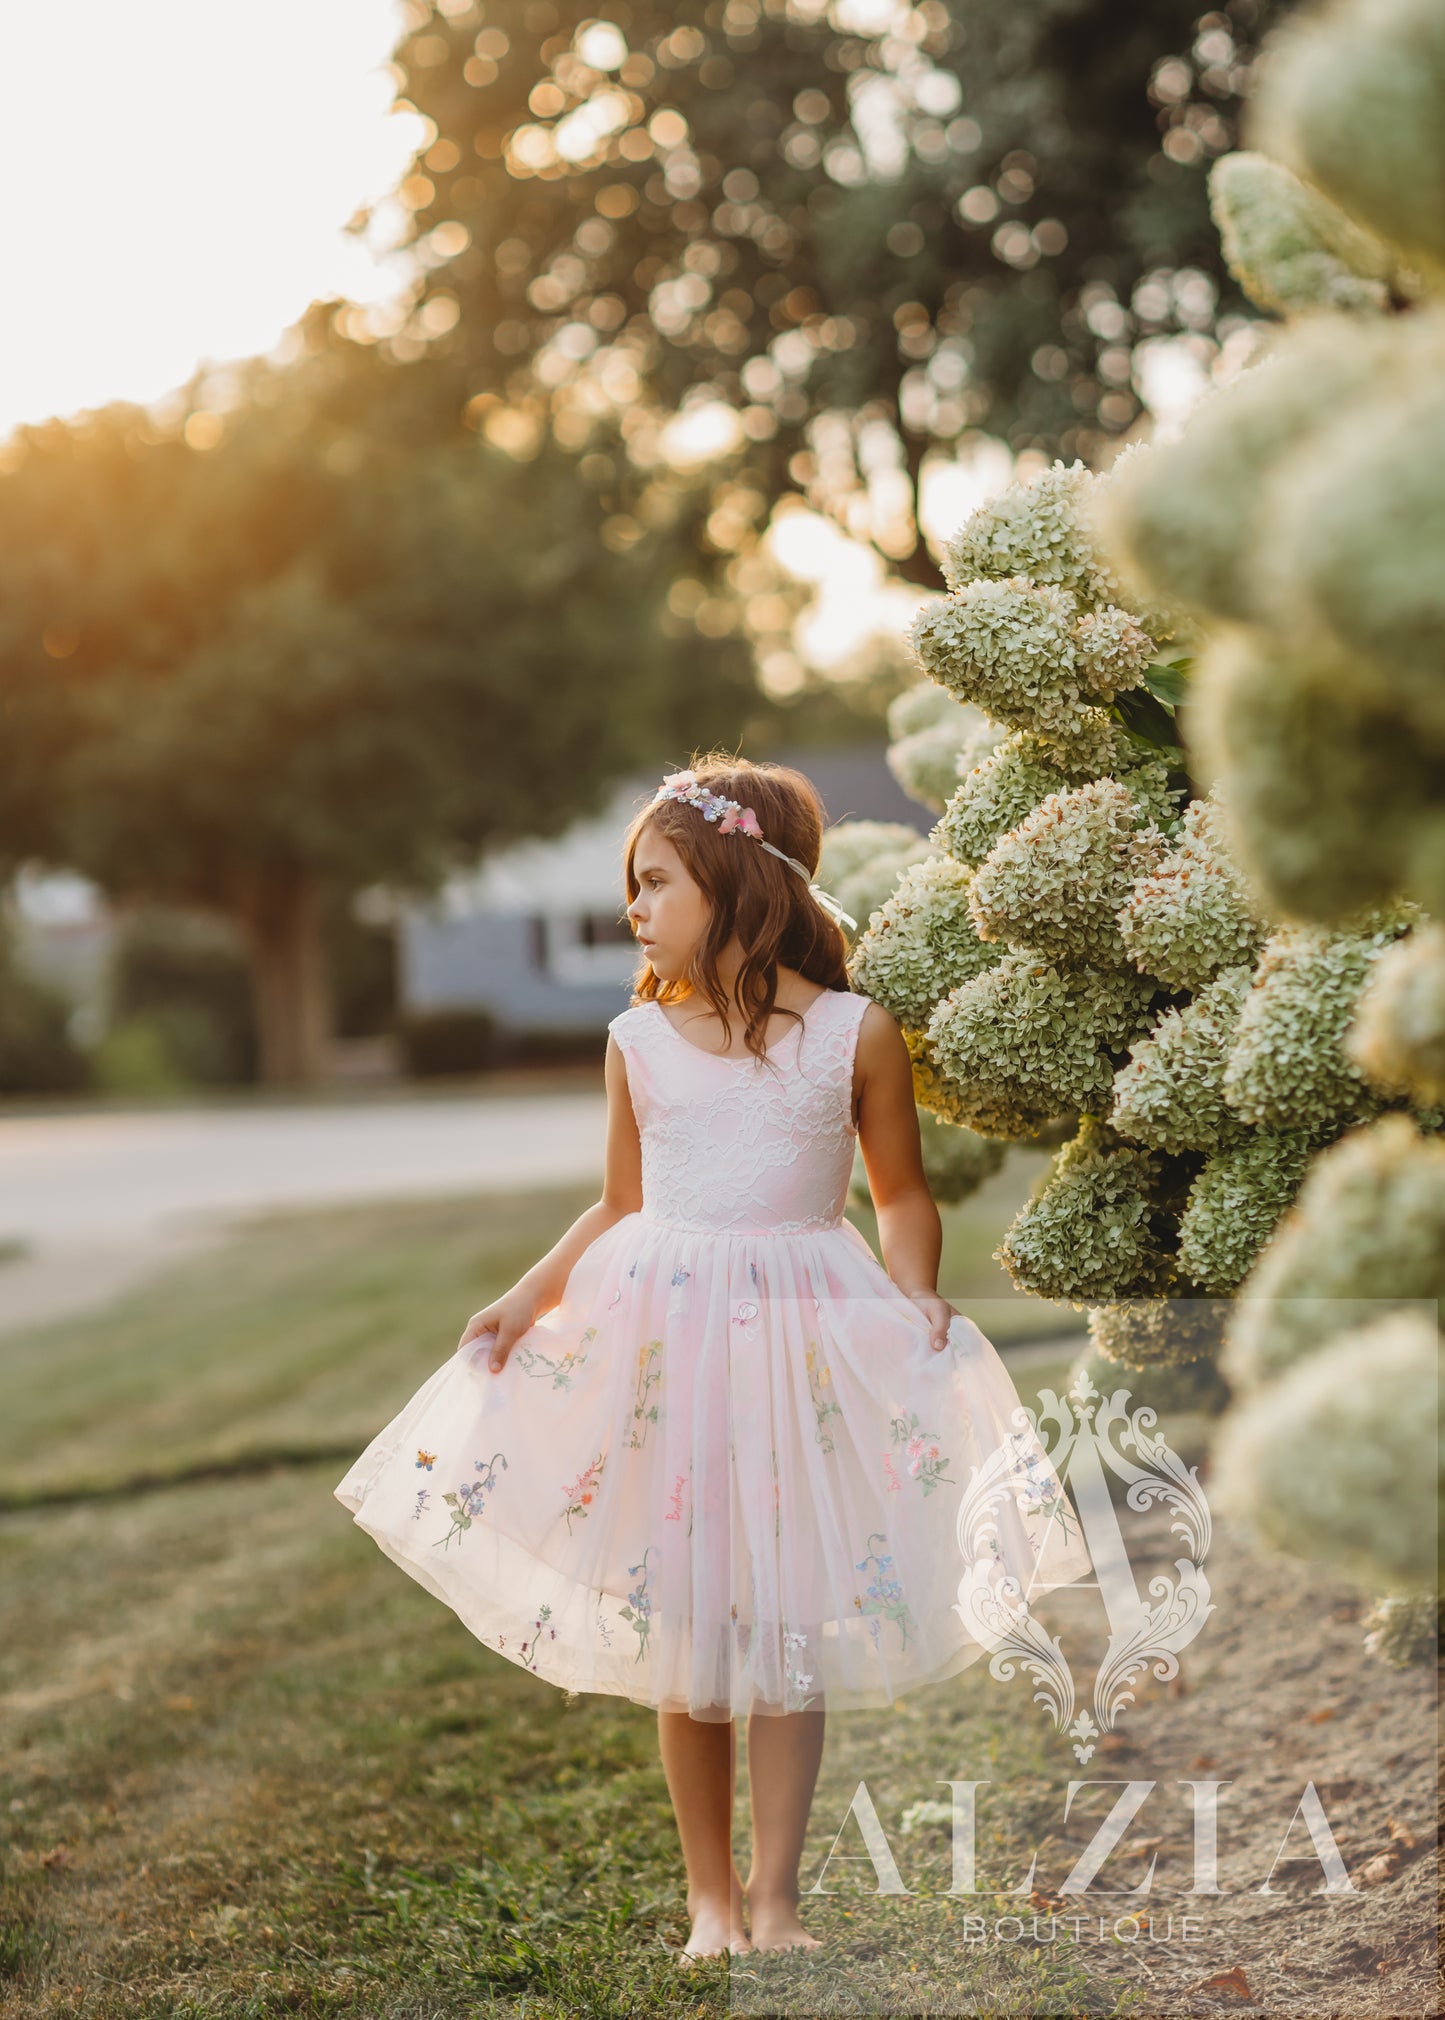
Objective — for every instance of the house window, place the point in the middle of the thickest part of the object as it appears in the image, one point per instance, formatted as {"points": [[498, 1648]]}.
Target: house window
{"points": [[604, 929], [584, 949]]}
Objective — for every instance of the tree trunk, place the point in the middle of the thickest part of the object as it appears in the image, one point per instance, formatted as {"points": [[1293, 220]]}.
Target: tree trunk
{"points": [[281, 918]]}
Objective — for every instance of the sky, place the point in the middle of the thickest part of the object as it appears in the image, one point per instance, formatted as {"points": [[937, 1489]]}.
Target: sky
{"points": [[175, 179]]}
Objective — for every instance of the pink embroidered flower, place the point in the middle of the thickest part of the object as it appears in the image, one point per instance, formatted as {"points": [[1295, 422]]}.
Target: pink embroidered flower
{"points": [[680, 779], [739, 817]]}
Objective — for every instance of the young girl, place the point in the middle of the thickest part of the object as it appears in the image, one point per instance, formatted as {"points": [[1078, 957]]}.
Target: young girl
{"points": [[707, 1453]]}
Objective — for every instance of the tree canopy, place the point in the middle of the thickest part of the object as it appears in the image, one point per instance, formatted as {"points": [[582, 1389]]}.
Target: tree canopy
{"points": [[864, 240], [310, 645]]}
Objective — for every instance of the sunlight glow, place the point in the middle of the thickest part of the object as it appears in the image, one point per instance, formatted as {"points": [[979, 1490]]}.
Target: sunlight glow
{"points": [[853, 597], [175, 176], [701, 432]]}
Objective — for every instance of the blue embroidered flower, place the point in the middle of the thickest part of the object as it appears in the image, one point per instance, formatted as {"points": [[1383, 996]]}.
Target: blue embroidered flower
{"points": [[885, 1593], [471, 1496], [638, 1610]]}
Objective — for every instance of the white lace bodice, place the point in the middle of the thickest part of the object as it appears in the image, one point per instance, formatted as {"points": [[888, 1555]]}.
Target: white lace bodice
{"points": [[744, 1146]]}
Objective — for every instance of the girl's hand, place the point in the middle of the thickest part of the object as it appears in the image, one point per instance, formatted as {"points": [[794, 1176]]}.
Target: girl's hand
{"points": [[939, 1313], [507, 1319]]}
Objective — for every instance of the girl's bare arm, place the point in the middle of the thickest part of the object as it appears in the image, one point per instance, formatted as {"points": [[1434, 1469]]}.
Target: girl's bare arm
{"points": [[541, 1288], [910, 1233]]}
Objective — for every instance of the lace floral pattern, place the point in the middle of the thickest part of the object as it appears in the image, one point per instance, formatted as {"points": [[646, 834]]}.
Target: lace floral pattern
{"points": [[736, 1146]]}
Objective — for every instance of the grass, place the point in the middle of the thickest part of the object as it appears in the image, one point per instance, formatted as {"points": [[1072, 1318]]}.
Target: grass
{"points": [[249, 1770], [304, 1337]]}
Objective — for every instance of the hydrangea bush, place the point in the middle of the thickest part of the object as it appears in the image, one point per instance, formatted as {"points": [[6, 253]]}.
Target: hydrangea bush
{"points": [[1084, 957], [1300, 518], [1217, 980]]}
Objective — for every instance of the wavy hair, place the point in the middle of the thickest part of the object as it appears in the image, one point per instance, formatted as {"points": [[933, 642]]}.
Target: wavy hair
{"points": [[768, 906]]}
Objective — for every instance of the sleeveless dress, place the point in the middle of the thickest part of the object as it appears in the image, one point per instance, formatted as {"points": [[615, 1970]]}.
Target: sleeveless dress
{"points": [[724, 1472]]}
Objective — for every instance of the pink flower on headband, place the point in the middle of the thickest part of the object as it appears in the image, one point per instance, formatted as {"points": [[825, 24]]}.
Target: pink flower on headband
{"points": [[679, 778], [740, 817]]}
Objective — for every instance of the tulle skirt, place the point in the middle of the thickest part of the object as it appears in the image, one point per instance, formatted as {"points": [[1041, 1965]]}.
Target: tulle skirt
{"points": [[722, 1475]]}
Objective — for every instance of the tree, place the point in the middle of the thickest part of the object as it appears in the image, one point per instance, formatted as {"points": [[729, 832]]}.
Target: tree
{"points": [[866, 242], [342, 644]]}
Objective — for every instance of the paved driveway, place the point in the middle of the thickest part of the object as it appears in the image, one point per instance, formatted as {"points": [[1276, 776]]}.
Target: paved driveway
{"points": [[99, 1200]]}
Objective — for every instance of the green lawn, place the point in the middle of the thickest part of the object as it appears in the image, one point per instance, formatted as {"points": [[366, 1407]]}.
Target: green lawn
{"points": [[308, 1334], [250, 1769]]}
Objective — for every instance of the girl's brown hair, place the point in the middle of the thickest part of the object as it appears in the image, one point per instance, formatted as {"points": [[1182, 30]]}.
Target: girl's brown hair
{"points": [[752, 894]]}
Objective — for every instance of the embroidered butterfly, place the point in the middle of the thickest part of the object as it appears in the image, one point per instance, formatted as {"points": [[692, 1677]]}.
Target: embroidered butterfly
{"points": [[427, 1459]]}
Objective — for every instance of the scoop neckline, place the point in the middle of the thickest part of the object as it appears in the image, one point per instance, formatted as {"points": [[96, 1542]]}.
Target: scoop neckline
{"points": [[723, 1058]]}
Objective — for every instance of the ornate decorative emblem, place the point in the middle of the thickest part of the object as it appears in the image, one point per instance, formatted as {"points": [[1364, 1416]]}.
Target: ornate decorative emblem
{"points": [[1020, 1482]]}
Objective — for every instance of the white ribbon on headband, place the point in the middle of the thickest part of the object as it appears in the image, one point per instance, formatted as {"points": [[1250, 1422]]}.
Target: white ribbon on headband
{"points": [[829, 903]]}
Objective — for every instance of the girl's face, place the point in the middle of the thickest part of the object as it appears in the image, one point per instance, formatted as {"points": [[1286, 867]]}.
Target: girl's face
{"points": [[670, 912]]}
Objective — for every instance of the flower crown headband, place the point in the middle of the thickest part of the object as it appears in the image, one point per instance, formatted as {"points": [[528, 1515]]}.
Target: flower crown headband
{"points": [[731, 816]]}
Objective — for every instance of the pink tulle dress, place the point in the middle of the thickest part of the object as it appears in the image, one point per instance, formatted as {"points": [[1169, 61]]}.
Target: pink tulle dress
{"points": [[725, 1472]]}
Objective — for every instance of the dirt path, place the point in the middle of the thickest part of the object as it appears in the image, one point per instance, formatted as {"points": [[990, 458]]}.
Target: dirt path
{"points": [[1275, 1692]]}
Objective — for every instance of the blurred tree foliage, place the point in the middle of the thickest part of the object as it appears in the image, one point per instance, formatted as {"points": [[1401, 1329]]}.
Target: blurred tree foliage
{"points": [[258, 661], [37, 1053], [867, 229], [185, 975]]}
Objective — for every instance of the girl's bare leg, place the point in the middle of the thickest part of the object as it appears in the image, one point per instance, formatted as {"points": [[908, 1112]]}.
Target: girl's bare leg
{"points": [[700, 1762], [784, 1750]]}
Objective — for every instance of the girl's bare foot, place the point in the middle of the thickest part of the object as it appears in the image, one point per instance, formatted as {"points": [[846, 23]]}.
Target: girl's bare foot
{"points": [[717, 1927], [775, 1924]]}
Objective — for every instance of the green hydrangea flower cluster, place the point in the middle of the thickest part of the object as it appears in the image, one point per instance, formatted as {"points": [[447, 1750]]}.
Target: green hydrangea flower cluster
{"points": [[1189, 518], [1031, 656], [1403, 1629], [997, 792], [851, 846], [1237, 1201], [1009, 780], [1055, 884], [1290, 246], [1170, 1095], [1092, 1233], [1329, 809], [1028, 1039], [934, 739], [1366, 1230], [1165, 1334], [1355, 106], [1398, 1036], [1040, 530], [1194, 913], [1289, 1068], [920, 944], [861, 862], [1340, 1458]]}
